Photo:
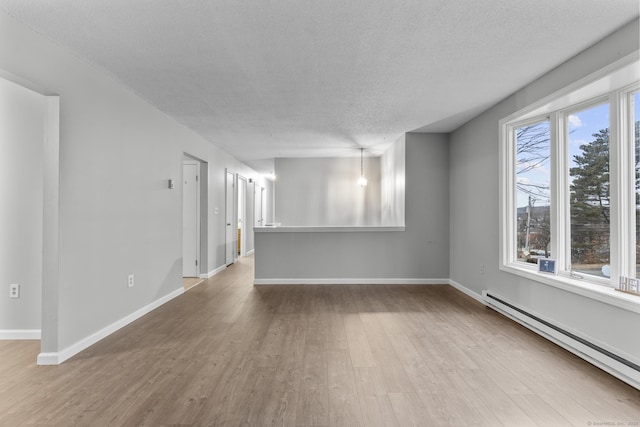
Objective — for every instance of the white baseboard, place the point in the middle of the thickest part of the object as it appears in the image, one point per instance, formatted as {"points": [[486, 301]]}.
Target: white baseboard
{"points": [[250, 252], [476, 296], [213, 272], [61, 356], [19, 334], [581, 349], [361, 281]]}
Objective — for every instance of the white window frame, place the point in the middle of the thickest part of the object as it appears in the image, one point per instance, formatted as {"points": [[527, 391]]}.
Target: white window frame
{"points": [[613, 84]]}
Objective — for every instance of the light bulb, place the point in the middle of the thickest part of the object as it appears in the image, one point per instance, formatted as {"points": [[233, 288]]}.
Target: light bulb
{"points": [[362, 181]]}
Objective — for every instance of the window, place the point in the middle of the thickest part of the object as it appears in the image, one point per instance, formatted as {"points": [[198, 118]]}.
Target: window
{"points": [[533, 196], [589, 199], [570, 183], [634, 100]]}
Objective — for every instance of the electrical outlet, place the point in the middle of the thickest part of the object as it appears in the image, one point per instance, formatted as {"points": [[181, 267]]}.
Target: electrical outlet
{"points": [[131, 282], [482, 269], [14, 290]]}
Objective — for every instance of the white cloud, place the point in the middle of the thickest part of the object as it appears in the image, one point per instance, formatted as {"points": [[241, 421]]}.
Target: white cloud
{"points": [[574, 121], [523, 180]]}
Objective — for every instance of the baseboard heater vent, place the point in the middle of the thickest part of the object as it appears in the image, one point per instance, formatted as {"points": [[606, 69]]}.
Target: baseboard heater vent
{"points": [[622, 368]]}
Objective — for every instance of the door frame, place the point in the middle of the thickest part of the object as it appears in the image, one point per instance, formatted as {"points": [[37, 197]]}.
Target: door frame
{"points": [[258, 206], [242, 213], [230, 218], [187, 160]]}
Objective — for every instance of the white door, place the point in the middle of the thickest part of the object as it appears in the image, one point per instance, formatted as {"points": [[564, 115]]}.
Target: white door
{"points": [[258, 206], [263, 203], [230, 221], [242, 213], [190, 219]]}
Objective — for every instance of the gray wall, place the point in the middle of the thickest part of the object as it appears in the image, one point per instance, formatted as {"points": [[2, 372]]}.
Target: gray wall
{"points": [[116, 216], [421, 251], [392, 183], [21, 195], [474, 209], [324, 192]]}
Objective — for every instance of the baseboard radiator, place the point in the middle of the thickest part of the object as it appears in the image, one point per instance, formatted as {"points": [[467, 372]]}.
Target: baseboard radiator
{"points": [[620, 367]]}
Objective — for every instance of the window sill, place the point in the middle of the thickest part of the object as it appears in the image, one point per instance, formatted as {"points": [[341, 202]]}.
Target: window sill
{"points": [[581, 287], [321, 229]]}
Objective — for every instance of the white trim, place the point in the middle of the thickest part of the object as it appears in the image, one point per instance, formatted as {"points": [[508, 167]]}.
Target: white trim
{"points": [[476, 296], [597, 292], [213, 272], [623, 67], [305, 229], [610, 365], [250, 252], [351, 281], [72, 350], [610, 85], [19, 334], [46, 359]]}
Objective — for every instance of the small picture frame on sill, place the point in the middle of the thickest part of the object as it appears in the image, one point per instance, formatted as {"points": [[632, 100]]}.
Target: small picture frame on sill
{"points": [[547, 265]]}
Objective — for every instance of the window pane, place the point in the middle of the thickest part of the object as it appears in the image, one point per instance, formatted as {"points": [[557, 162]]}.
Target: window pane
{"points": [[636, 123], [589, 187], [532, 191]]}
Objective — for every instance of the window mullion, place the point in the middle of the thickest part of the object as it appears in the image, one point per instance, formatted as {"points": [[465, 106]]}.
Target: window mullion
{"points": [[616, 188], [622, 160], [563, 214], [557, 211]]}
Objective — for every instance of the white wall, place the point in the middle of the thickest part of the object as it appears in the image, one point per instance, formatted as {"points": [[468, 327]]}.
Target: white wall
{"points": [[419, 252], [325, 192], [21, 204], [116, 215], [392, 183], [474, 210]]}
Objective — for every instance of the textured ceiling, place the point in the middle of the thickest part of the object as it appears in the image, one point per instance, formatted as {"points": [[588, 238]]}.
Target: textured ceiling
{"points": [[291, 78]]}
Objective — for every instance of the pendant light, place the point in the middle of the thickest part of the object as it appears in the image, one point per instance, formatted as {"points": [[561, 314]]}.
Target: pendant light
{"points": [[362, 181]]}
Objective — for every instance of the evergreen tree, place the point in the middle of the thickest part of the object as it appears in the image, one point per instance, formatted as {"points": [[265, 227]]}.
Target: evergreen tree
{"points": [[590, 201]]}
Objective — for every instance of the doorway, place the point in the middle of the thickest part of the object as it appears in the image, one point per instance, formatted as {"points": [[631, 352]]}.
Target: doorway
{"points": [[190, 218], [242, 214], [259, 206], [230, 220]]}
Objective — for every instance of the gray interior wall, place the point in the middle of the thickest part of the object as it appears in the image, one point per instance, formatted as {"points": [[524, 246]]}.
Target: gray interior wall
{"points": [[419, 252], [116, 216], [22, 120], [392, 182], [325, 192], [474, 209]]}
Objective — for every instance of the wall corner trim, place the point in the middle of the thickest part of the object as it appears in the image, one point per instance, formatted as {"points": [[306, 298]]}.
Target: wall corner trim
{"points": [[213, 272], [476, 296], [57, 358], [19, 334]]}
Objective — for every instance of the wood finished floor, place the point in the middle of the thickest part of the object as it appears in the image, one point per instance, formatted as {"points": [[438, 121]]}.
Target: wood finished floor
{"points": [[227, 353], [190, 282]]}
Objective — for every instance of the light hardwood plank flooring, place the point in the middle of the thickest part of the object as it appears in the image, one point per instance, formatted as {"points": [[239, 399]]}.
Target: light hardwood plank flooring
{"points": [[227, 353], [190, 282]]}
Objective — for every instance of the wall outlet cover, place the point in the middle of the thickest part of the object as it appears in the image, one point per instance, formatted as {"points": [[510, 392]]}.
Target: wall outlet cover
{"points": [[14, 290]]}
